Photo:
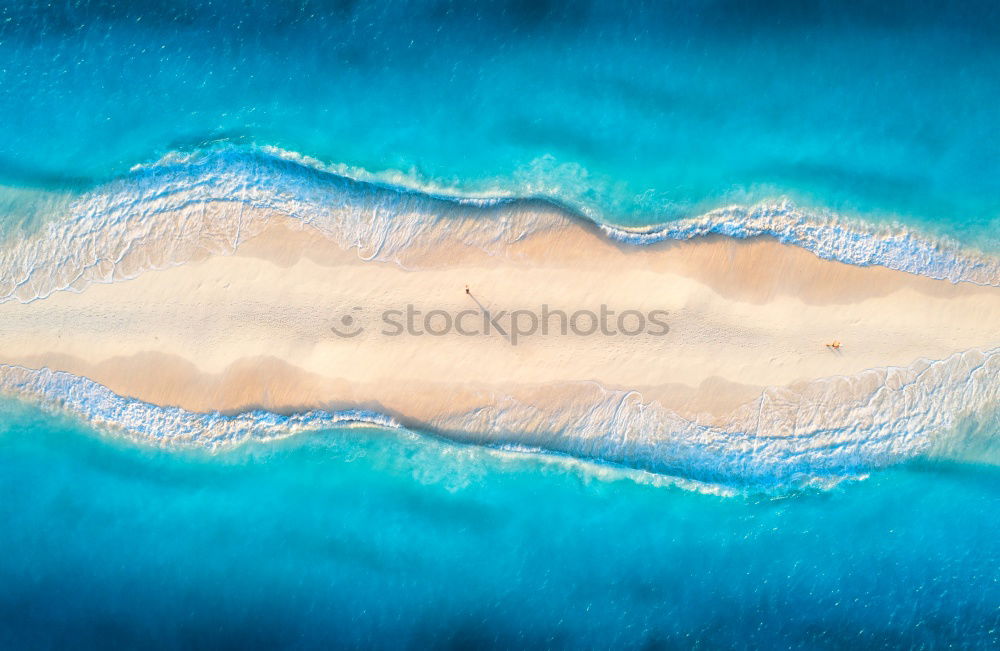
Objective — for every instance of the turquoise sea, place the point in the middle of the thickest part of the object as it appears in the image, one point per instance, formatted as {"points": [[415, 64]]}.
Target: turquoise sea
{"points": [[379, 538], [868, 130]]}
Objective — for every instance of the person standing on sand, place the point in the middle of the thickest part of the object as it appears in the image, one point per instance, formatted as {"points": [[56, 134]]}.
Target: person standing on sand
{"points": [[467, 290]]}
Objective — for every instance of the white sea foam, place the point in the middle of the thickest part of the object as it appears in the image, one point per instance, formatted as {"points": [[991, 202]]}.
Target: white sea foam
{"points": [[170, 213], [169, 426], [832, 238], [208, 202], [811, 436]]}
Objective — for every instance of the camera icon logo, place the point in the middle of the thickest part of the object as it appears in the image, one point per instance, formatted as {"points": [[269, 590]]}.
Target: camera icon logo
{"points": [[348, 325]]}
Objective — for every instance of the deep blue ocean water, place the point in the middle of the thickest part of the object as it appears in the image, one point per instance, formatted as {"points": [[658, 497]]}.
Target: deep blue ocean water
{"points": [[634, 114]]}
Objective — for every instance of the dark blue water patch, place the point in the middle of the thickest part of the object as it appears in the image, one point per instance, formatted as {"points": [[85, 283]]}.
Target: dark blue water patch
{"points": [[974, 17], [373, 538]]}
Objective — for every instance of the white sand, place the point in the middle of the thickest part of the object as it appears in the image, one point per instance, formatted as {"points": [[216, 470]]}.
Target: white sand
{"points": [[253, 329]]}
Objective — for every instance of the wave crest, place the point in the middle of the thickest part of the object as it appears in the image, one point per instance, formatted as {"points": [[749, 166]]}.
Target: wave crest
{"points": [[208, 202], [169, 426], [817, 433], [814, 435]]}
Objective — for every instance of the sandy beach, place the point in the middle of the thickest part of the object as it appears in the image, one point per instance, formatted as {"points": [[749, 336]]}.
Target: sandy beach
{"points": [[293, 321]]}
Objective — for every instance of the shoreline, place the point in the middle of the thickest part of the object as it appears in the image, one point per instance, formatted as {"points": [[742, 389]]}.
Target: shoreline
{"points": [[252, 329], [160, 216], [740, 389]]}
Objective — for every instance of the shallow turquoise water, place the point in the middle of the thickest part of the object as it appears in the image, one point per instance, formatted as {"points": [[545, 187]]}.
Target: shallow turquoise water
{"points": [[374, 537]]}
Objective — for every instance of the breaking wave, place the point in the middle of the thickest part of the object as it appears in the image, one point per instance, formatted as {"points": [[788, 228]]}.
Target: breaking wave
{"points": [[811, 436], [209, 201], [171, 426], [814, 434]]}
